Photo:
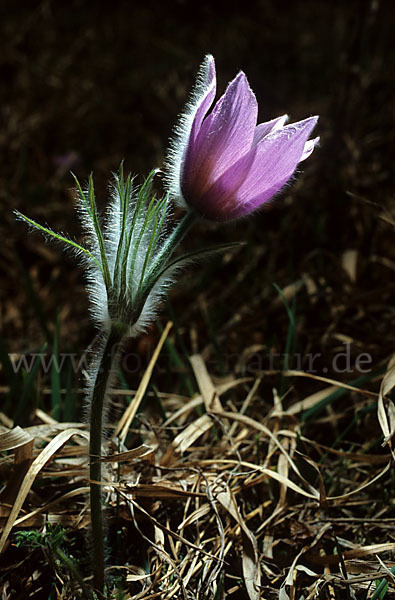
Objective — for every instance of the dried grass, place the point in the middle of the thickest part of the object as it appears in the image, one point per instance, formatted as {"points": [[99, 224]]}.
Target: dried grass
{"points": [[203, 501]]}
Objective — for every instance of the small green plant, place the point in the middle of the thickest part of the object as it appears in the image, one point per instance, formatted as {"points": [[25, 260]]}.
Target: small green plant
{"points": [[382, 587], [51, 538], [52, 541]]}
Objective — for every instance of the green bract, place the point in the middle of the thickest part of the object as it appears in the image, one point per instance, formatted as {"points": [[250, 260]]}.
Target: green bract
{"points": [[127, 252]]}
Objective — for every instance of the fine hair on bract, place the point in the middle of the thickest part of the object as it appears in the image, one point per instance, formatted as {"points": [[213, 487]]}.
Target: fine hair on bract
{"points": [[131, 240], [178, 143]]}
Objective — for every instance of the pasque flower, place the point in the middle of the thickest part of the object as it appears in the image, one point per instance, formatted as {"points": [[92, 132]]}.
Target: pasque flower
{"points": [[128, 257], [223, 165]]}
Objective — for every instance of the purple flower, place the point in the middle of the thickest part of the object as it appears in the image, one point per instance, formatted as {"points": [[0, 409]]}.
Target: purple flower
{"points": [[224, 165]]}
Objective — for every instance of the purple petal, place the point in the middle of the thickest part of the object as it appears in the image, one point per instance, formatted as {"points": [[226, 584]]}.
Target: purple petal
{"points": [[225, 135], [265, 128], [207, 83], [188, 126], [244, 208], [276, 158], [259, 174], [219, 201], [309, 147]]}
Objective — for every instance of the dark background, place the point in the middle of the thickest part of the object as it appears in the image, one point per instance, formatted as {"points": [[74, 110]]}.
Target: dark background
{"points": [[87, 84]]}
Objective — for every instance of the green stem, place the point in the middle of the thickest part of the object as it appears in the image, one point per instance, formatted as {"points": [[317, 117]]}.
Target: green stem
{"points": [[181, 230], [176, 236], [106, 366]]}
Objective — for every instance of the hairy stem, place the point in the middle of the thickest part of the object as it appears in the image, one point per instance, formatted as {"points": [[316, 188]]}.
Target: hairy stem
{"points": [[107, 363], [176, 236], [180, 230]]}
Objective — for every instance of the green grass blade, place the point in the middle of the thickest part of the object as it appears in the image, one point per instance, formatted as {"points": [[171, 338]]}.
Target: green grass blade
{"points": [[6, 363], [28, 401], [318, 408], [382, 587], [291, 334], [12, 379], [34, 300], [69, 412], [179, 365], [56, 397]]}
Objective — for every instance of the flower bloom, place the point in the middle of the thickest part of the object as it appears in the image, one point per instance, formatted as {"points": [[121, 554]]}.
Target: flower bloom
{"points": [[224, 165]]}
